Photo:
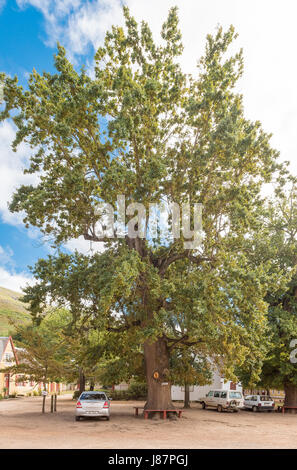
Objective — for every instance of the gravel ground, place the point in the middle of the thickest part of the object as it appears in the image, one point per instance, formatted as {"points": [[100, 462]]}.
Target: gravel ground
{"points": [[22, 426]]}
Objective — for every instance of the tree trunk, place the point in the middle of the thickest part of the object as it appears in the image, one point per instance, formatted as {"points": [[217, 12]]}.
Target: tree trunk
{"points": [[82, 381], [290, 397], [92, 385], [187, 396], [156, 357]]}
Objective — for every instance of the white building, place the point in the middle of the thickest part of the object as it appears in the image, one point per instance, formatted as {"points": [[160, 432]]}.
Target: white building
{"points": [[197, 391]]}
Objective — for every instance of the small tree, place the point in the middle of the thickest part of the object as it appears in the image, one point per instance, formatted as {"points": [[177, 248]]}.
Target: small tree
{"points": [[189, 367], [39, 357]]}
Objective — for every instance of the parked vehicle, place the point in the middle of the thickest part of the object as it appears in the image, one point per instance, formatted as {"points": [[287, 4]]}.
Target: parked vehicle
{"points": [[259, 403], [223, 400], [92, 404]]}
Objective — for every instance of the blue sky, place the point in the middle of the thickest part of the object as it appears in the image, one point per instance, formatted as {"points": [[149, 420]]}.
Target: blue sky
{"points": [[22, 41], [24, 45], [29, 30], [21, 48]]}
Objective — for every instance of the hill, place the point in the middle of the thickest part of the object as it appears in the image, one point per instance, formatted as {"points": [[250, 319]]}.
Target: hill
{"points": [[11, 309]]}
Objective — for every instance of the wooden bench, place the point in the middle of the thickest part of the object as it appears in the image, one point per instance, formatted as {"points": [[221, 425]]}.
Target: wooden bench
{"points": [[285, 407], [147, 411]]}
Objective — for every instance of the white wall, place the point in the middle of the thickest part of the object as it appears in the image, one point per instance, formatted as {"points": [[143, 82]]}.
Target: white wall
{"points": [[122, 386], [197, 392]]}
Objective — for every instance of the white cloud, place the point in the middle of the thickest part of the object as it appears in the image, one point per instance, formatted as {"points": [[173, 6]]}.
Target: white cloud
{"points": [[9, 278], [6, 255], [14, 281], [77, 24], [84, 246], [12, 165]]}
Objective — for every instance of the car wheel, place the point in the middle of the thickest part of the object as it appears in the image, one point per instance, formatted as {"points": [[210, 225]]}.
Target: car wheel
{"points": [[220, 408], [77, 418], [107, 418], [255, 409], [203, 405]]}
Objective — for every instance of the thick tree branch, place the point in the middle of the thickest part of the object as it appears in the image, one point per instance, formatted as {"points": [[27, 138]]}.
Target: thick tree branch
{"points": [[183, 340], [124, 327], [186, 254]]}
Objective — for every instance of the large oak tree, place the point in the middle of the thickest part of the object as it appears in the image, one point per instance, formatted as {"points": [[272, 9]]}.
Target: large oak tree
{"points": [[142, 128]]}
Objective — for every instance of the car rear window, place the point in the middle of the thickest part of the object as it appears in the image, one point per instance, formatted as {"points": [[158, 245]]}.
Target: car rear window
{"points": [[93, 396], [235, 395], [265, 398]]}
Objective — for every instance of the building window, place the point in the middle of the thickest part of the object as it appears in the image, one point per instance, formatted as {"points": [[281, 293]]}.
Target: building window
{"points": [[8, 357]]}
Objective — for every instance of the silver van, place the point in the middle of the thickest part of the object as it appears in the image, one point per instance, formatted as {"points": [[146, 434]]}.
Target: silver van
{"points": [[223, 400]]}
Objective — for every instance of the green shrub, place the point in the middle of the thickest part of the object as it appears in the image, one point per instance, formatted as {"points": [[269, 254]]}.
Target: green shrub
{"points": [[137, 391], [119, 395], [75, 395], [1, 396]]}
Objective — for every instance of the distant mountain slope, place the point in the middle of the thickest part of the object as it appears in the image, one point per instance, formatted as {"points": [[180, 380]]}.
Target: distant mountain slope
{"points": [[11, 308]]}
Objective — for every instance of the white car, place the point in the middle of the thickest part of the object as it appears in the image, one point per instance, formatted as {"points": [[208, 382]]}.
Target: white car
{"points": [[259, 403], [222, 400], [92, 404]]}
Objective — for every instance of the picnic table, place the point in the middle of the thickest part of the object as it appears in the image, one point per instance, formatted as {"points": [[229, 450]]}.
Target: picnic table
{"points": [[164, 412]]}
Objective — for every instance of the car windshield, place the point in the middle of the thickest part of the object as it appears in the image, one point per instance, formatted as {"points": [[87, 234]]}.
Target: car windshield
{"points": [[265, 398], [93, 396], [235, 395]]}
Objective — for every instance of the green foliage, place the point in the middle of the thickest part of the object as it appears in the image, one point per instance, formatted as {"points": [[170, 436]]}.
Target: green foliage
{"points": [[120, 395], [137, 391], [43, 355], [188, 367], [143, 128], [278, 370]]}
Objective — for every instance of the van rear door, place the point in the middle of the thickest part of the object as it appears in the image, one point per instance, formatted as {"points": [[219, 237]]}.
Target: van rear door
{"points": [[209, 398]]}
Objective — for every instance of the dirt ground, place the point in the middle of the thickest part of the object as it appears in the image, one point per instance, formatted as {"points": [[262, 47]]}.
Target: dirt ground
{"points": [[23, 426]]}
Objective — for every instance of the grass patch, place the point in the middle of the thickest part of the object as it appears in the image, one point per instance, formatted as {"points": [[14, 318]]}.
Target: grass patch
{"points": [[11, 310]]}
